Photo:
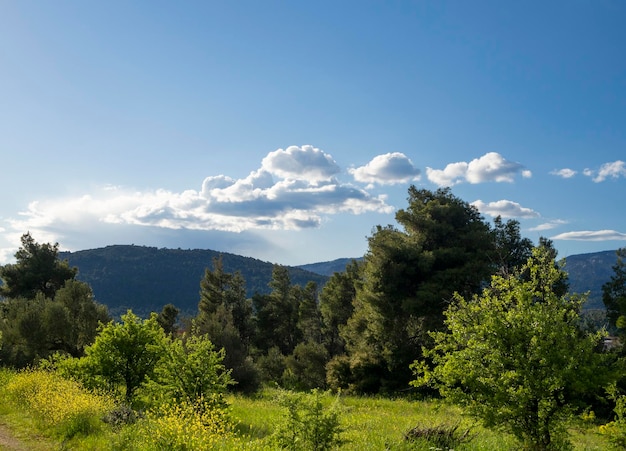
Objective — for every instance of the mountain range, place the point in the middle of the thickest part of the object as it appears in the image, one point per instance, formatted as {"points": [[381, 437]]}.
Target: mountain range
{"points": [[145, 279]]}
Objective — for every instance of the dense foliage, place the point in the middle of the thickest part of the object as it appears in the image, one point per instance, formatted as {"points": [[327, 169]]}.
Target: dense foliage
{"points": [[38, 270], [515, 356]]}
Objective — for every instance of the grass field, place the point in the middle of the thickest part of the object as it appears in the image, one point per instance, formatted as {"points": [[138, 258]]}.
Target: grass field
{"points": [[367, 423]]}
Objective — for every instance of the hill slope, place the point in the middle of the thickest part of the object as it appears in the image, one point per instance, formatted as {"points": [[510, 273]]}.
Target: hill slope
{"points": [[588, 272], [330, 267], [146, 278]]}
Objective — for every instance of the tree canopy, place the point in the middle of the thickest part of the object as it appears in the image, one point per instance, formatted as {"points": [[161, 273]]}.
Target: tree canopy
{"points": [[409, 276], [515, 356], [37, 270]]}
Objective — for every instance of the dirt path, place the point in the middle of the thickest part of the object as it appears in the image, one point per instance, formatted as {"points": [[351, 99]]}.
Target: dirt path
{"points": [[8, 441]]}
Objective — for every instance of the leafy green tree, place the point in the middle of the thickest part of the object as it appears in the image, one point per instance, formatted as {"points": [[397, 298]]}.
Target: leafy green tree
{"points": [[409, 276], [614, 292], [220, 329], [81, 314], [37, 270], [127, 353], [192, 370], [511, 250], [515, 356], [24, 333], [36, 328]]}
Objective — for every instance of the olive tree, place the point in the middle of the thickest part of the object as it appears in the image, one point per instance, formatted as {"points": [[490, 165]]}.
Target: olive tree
{"points": [[127, 353], [515, 355]]}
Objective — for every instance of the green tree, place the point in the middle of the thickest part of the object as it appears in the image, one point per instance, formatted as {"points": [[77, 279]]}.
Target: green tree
{"points": [[614, 292], [225, 317], [37, 270], [309, 318], [511, 250], [36, 328], [127, 353], [167, 319], [515, 356], [336, 306], [81, 314], [409, 276], [306, 367], [214, 288], [24, 333], [192, 370], [220, 288], [277, 314], [220, 329]]}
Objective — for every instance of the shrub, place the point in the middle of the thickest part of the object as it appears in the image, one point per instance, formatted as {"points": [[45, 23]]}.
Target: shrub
{"points": [[308, 425], [441, 436], [306, 367], [179, 426], [58, 403], [616, 429], [193, 371]]}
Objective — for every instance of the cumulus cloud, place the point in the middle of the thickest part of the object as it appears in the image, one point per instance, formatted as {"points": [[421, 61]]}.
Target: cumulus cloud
{"points": [[293, 189], [387, 169], [614, 170], [504, 208], [548, 225], [299, 163], [591, 235], [565, 173], [491, 167]]}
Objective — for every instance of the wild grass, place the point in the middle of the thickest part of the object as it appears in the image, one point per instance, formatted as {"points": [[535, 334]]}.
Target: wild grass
{"points": [[45, 404]]}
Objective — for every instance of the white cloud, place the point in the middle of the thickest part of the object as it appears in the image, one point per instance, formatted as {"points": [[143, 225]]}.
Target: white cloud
{"points": [[591, 235], [614, 170], [548, 225], [505, 208], [565, 173], [300, 163], [294, 189], [491, 167], [387, 169], [453, 173]]}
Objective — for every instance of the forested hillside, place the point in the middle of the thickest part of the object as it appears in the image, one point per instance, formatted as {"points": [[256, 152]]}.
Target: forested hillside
{"points": [[588, 272], [146, 278]]}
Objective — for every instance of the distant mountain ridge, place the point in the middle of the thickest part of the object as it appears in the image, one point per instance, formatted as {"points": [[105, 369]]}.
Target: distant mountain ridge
{"points": [[588, 272], [147, 278], [330, 267]]}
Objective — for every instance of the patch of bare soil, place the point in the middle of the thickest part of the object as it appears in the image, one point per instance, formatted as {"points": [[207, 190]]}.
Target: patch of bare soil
{"points": [[8, 441]]}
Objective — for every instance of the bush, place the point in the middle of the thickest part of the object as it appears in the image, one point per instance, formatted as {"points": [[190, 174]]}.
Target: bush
{"points": [[441, 436], [272, 366], [57, 403], [616, 429], [179, 427], [308, 425], [306, 367]]}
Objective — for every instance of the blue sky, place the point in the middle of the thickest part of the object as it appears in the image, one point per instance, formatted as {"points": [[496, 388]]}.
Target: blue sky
{"points": [[286, 131]]}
